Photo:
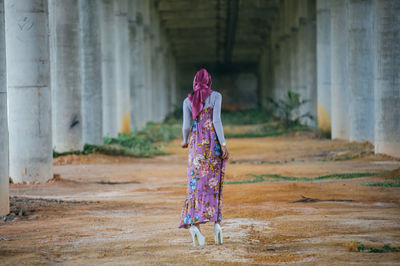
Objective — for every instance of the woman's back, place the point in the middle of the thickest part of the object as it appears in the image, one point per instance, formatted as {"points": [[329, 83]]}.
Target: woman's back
{"points": [[214, 100]]}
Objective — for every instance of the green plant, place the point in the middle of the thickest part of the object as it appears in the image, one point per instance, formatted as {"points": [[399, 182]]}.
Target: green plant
{"points": [[276, 177], [288, 109], [382, 249]]}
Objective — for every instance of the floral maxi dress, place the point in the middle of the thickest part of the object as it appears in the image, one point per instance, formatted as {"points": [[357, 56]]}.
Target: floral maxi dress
{"points": [[205, 173]]}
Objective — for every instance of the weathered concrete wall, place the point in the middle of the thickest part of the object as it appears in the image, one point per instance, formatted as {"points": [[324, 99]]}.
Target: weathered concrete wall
{"points": [[324, 65], [29, 95], [387, 76], [66, 76], [4, 200], [90, 45]]}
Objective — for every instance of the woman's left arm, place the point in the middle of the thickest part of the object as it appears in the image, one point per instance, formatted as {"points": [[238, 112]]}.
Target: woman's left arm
{"points": [[218, 125], [186, 123]]}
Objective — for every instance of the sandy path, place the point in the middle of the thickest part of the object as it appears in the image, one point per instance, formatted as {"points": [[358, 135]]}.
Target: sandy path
{"points": [[122, 211]]}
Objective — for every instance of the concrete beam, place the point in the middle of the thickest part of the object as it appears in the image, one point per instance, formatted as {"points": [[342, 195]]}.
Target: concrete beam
{"points": [[4, 194], [29, 95], [90, 43], [66, 76], [387, 76]]}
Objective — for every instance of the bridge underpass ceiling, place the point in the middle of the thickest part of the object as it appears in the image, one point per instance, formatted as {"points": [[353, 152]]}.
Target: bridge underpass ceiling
{"points": [[217, 31]]}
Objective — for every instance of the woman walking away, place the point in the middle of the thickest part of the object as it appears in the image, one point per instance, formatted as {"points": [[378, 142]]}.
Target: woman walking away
{"points": [[206, 159]]}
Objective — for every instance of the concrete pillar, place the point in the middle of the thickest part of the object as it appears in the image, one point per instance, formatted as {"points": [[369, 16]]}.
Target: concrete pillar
{"points": [[149, 110], [277, 62], [263, 72], [122, 65], [339, 91], [164, 71], [4, 196], [360, 70], [172, 81], [387, 76], [324, 65], [66, 75], [92, 116], [108, 43], [285, 56], [308, 62], [29, 95], [137, 65], [156, 66], [294, 66], [266, 73]]}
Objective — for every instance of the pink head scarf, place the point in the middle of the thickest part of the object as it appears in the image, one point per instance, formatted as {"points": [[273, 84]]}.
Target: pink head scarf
{"points": [[201, 89]]}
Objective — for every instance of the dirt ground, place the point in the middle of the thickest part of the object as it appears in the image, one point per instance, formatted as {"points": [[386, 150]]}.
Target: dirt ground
{"points": [[123, 211]]}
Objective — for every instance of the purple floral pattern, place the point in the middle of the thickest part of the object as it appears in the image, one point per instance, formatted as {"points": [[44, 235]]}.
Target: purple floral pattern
{"points": [[205, 174]]}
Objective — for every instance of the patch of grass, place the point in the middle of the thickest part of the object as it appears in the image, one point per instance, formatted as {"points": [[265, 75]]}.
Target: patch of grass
{"points": [[246, 117], [384, 184], [143, 143], [276, 177], [267, 130], [355, 246], [138, 151]]}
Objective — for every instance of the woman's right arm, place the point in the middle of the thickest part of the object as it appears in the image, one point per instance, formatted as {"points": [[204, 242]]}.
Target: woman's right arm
{"points": [[186, 121]]}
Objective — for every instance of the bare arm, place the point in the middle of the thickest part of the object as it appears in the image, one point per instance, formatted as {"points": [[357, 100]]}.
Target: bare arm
{"points": [[217, 119], [187, 114]]}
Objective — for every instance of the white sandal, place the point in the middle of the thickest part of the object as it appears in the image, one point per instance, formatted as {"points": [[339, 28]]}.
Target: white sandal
{"points": [[218, 234], [197, 237]]}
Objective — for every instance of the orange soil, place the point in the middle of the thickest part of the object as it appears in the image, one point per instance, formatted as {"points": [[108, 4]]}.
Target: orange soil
{"points": [[121, 210]]}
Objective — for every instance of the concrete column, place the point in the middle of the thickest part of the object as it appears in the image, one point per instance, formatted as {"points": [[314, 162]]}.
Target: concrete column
{"points": [[4, 196], [66, 76], [29, 95], [108, 43], [137, 69], [308, 62], [266, 73], [135, 40], [122, 65], [294, 66], [164, 84], [387, 76], [286, 79], [277, 62], [263, 73], [92, 116], [156, 66], [145, 5], [360, 70], [324, 65], [172, 81], [339, 91]]}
